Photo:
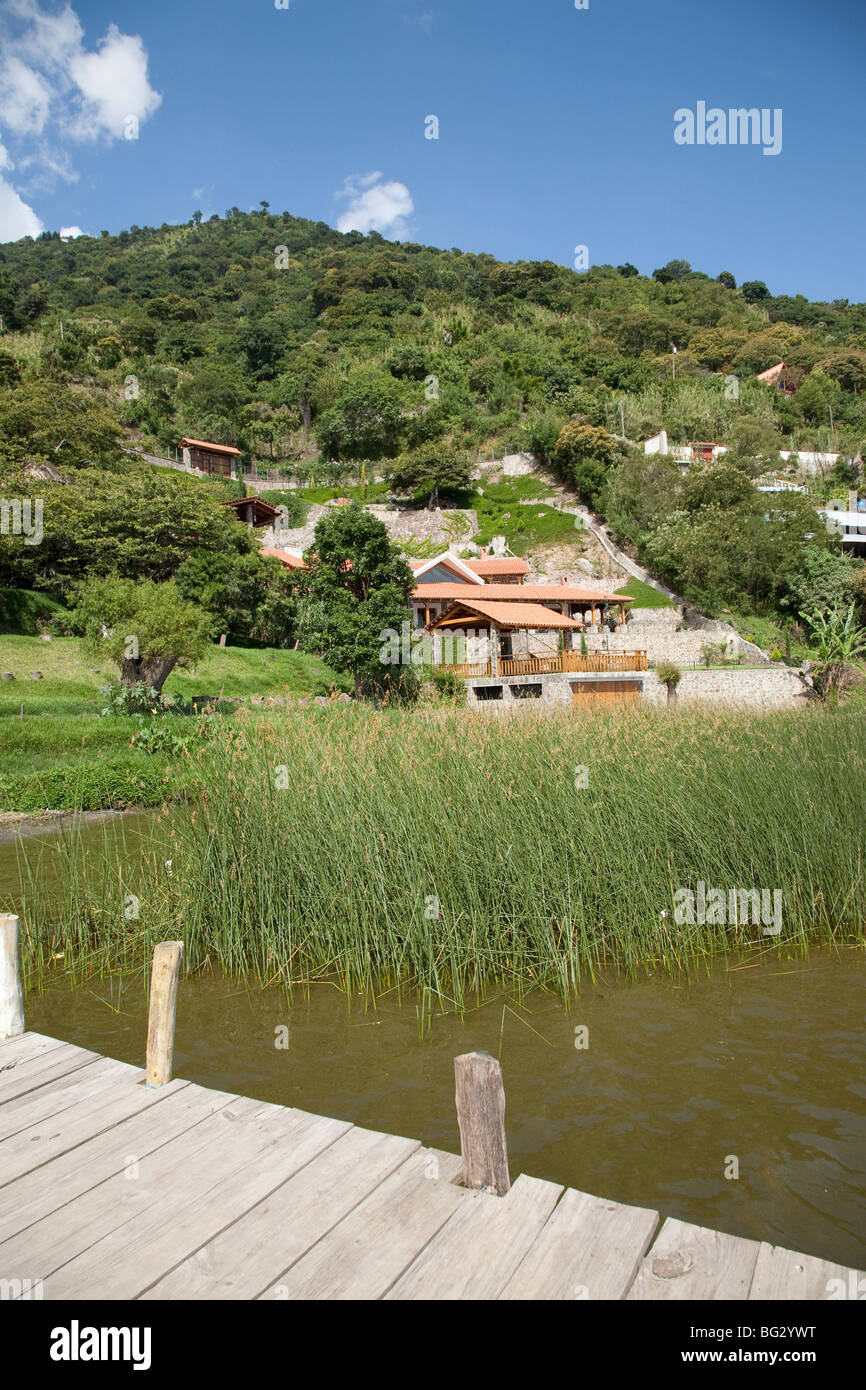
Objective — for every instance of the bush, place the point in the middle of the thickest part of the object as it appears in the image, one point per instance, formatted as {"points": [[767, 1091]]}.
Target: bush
{"points": [[129, 781], [141, 699]]}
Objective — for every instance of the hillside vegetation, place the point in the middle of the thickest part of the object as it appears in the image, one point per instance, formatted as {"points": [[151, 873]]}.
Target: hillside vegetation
{"points": [[349, 362]]}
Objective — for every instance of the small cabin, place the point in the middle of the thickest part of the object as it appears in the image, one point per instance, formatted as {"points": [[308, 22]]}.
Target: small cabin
{"points": [[221, 459], [253, 511]]}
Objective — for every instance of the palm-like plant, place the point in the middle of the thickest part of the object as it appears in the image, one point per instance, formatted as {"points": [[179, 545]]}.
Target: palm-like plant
{"points": [[840, 642], [670, 676]]}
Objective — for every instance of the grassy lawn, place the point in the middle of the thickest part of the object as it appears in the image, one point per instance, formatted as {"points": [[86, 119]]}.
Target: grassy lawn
{"points": [[56, 752], [502, 512], [71, 674], [644, 595]]}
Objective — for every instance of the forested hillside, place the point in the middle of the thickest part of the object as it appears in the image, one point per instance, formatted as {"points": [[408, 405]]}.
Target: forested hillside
{"points": [[323, 353], [249, 327]]}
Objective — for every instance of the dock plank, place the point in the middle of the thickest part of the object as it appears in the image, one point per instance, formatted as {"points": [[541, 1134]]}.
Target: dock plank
{"points": [[692, 1262], [250, 1259], [478, 1249], [784, 1274], [111, 1190], [40, 1191], [362, 1256], [181, 1167], [23, 1075], [26, 1045], [192, 1203], [103, 1102], [588, 1249], [44, 1108]]}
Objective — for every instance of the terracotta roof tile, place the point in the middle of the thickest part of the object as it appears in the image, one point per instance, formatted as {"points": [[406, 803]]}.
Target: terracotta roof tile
{"points": [[203, 444], [520, 593], [293, 562], [498, 564], [521, 615]]}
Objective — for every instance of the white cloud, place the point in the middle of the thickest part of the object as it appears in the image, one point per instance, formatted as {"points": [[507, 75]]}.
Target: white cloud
{"points": [[46, 39], [114, 85], [17, 218], [25, 98], [375, 205], [53, 92], [70, 233]]}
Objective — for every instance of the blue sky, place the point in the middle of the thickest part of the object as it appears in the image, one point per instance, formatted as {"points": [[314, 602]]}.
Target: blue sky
{"points": [[556, 125]]}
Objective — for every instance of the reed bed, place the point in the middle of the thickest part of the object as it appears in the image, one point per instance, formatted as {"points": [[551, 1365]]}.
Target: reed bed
{"points": [[447, 853]]}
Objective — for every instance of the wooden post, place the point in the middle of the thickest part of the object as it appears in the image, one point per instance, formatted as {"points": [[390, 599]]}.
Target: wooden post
{"points": [[481, 1116], [11, 988], [163, 1004]]}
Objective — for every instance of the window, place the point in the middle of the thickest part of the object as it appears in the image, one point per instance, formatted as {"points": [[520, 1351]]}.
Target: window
{"points": [[526, 692], [488, 692]]}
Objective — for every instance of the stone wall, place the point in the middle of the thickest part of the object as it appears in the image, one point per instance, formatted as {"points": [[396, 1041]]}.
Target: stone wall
{"points": [[426, 525], [776, 687], [771, 687]]}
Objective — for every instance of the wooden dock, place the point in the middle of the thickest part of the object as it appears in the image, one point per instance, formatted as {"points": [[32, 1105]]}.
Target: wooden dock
{"points": [[121, 1183], [112, 1190]]}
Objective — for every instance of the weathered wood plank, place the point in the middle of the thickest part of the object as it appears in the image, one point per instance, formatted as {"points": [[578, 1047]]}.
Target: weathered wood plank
{"points": [[478, 1249], [115, 1149], [785, 1274], [45, 1106], [480, 1100], [589, 1249], [164, 976], [30, 1073], [691, 1262], [165, 1180], [250, 1257], [190, 1205], [369, 1249], [11, 986], [25, 1045]]}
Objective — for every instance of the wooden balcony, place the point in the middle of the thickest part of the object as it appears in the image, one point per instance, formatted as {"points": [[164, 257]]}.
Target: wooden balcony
{"points": [[557, 663]]}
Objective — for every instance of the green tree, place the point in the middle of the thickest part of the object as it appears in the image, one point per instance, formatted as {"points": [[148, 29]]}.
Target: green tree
{"points": [[669, 676], [584, 454], [828, 580], [356, 587], [146, 628], [431, 467], [42, 422], [364, 423]]}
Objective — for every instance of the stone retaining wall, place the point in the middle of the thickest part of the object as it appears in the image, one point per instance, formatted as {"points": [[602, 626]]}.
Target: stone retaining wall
{"points": [[775, 687], [772, 687]]}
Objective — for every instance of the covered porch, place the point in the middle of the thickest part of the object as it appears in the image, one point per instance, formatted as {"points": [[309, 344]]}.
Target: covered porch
{"points": [[485, 629]]}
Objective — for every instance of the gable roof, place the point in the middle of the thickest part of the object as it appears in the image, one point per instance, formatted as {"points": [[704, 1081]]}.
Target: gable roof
{"points": [[292, 562], [772, 373], [498, 564], [507, 615], [522, 593], [262, 511], [460, 568], [203, 444]]}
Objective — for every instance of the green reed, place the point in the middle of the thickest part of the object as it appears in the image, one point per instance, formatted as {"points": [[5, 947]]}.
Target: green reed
{"points": [[447, 852]]}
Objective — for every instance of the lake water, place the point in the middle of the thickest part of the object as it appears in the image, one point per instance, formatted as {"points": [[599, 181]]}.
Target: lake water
{"points": [[756, 1067]]}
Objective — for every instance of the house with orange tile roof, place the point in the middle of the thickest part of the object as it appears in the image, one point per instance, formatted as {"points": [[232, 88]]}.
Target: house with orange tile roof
{"points": [[222, 459], [446, 580]]}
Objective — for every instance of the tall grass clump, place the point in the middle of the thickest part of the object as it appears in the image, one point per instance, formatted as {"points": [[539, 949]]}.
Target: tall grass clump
{"points": [[447, 851]]}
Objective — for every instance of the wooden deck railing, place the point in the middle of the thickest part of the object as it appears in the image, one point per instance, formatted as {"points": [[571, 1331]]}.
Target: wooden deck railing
{"points": [[556, 663], [567, 661], [468, 668]]}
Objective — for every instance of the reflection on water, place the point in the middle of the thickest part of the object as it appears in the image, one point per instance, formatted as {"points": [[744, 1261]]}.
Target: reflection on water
{"points": [[763, 1062]]}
